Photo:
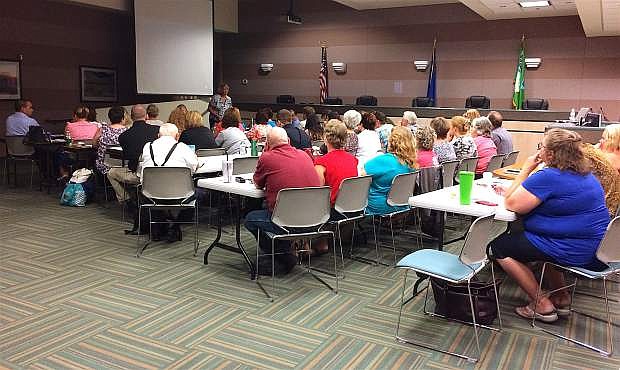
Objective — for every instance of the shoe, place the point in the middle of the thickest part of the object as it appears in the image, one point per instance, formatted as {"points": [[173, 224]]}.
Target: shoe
{"points": [[174, 234], [528, 313], [563, 311]]}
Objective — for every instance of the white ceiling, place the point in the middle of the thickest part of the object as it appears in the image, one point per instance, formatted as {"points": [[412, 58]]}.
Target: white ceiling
{"points": [[599, 17]]}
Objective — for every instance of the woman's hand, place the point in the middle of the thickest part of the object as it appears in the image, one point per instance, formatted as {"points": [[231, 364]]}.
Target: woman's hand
{"points": [[531, 163]]}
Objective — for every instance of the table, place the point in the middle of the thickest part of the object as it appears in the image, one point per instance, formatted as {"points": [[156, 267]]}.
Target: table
{"points": [[504, 172], [213, 164], [238, 190]]}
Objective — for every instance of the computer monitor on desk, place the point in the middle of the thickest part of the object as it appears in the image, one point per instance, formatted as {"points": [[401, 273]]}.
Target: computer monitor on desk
{"points": [[592, 120]]}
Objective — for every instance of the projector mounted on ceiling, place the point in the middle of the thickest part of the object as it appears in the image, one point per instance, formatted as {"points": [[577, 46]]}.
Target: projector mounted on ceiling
{"points": [[291, 17]]}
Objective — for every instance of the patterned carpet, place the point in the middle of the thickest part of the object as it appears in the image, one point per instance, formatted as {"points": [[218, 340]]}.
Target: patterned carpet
{"points": [[74, 296]]}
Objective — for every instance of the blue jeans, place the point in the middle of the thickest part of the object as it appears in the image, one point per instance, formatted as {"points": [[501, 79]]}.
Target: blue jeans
{"points": [[261, 220]]}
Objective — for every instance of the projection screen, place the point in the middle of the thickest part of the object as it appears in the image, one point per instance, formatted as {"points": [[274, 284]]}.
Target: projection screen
{"points": [[174, 47]]}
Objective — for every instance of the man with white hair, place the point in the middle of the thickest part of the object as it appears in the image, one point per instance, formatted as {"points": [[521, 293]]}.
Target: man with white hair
{"points": [[409, 120], [280, 166]]}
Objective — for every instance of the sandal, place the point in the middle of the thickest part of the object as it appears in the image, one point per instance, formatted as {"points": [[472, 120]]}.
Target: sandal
{"points": [[563, 311], [528, 313]]}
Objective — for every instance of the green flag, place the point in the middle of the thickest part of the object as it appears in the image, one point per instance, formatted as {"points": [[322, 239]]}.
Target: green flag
{"points": [[519, 92]]}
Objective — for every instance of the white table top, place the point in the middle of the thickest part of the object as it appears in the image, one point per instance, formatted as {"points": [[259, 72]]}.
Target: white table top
{"points": [[447, 200], [247, 189], [214, 163]]}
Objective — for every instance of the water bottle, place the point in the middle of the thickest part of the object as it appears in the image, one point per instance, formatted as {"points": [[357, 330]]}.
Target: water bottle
{"points": [[254, 149], [572, 117], [68, 137]]}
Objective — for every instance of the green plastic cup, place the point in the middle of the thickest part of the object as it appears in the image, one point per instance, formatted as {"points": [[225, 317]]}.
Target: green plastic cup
{"points": [[466, 182]]}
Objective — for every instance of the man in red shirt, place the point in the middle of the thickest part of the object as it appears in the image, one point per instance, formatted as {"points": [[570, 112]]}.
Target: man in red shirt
{"points": [[280, 166]]}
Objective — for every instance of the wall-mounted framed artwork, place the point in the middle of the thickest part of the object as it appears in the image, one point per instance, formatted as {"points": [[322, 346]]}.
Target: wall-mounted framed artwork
{"points": [[10, 80], [98, 84]]}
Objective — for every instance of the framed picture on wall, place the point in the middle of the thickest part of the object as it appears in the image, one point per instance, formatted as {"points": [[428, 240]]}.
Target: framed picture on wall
{"points": [[10, 80], [98, 84]]}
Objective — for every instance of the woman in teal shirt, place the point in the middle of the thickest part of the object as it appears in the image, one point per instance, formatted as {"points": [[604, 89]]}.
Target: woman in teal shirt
{"points": [[400, 158]]}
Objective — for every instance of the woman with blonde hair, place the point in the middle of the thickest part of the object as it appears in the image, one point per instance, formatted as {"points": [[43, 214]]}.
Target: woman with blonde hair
{"points": [[400, 158], [196, 133], [471, 115], [178, 117], [464, 145], [610, 145]]}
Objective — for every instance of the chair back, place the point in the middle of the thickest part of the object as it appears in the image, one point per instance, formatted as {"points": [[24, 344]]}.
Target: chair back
{"points": [[167, 183], [422, 101], [353, 194], [402, 189], [333, 101], [210, 152], [366, 100], [475, 246], [285, 99], [495, 162], [244, 165], [608, 250], [448, 171], [15, 146], [317, 143], [536, 104], [511, 158], [467, 164], [429, 179], [478, 102], [302, 207]]}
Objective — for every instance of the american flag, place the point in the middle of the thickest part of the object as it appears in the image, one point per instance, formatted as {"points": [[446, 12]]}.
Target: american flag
{"points": [[323, 76]]}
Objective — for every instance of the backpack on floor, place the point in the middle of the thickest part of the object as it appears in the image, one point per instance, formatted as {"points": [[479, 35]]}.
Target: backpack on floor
{"points": [[80, 189]]}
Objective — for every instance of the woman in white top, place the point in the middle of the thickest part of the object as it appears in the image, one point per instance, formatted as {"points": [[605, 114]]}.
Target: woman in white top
{"points": [[369, 144], [232, 139]]}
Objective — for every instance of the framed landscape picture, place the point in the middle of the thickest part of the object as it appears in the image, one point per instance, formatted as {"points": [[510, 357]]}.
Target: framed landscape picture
{"points": [[98, 84], [10, 80]]}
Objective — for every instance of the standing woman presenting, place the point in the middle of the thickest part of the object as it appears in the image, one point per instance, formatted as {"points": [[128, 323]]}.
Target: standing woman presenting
{"points": [[219, 103]]}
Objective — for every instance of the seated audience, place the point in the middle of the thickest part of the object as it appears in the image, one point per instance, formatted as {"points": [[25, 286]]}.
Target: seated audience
{"points": [[610, 145], [152, 115], [261, 127], [383, 129], [564, 221], [400, 158], [369, 145], [18, 123], [332, 114], [232, 139], [299, 139], [178, 117], [295, 120], [337, 164], [80, 128], [442, 146], [463, 143], [425, 139], [269, 114], [307, 112], [132, 141], [108, 135], [280, 166], [196, 133], [314, 127], [351, 119], [92, 116], [501, 137], [166, 151], [409, 120], [485, 147], [471, 115]]}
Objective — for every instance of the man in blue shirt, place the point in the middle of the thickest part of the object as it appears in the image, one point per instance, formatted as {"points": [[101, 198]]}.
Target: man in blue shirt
{"points": [[18, 123]]}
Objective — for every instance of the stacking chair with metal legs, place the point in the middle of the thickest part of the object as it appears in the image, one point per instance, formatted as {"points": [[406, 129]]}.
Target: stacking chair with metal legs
{"points": [[244, 165], [18, 151], [608, 253], [350, 203], [456, 269], [448, 171], [511, 158], [495, 162], [401, 190], [467, 164], [167, 188], [301, 213]]}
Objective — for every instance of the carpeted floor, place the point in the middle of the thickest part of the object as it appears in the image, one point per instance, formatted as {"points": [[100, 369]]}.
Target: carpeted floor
{"points": [[73, 295]]}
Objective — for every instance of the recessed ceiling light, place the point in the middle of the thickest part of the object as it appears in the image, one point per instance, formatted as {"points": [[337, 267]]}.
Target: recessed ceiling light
{"points": [[534, 4]]}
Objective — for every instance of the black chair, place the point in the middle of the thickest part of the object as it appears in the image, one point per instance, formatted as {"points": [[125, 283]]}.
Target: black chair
{"points": [[366, 100], [536, 104], [422, 101], [333, 101], [478, 102], [285, 99]]}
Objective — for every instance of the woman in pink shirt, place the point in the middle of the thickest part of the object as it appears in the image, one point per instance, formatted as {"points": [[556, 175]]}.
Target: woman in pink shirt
{"points": [[481, 132], [425, 138], [80, 128]]}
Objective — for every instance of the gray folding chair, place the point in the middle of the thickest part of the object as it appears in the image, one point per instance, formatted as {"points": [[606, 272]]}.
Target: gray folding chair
{"points": [[167, 188], [511, 158], [210, 152], [608, 253], [306, 209], [350, 203], [401, 190], [448, 171], [18, 151], [244, 165], [495, 162], [467, 164], [454, 269]]}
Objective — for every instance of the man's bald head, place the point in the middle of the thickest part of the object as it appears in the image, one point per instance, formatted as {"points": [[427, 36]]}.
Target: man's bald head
{"points": [[276, 136], [138, 113]]}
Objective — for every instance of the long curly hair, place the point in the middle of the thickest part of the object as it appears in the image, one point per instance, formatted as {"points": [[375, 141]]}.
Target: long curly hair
{"points": [[563, 148], [401, 144]]}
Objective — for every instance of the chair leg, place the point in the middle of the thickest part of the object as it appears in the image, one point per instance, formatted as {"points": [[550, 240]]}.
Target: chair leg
{"points": [[31, 173], [610, 335], [335, 262], [196, 241], [473, 316], [341, 249], [393, 241], [499, 314], [402, 303]]}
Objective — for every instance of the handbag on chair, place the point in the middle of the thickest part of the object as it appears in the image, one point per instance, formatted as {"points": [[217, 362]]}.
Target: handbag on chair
{"points": [[452, 300]]}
